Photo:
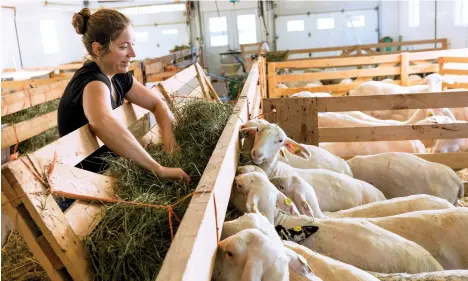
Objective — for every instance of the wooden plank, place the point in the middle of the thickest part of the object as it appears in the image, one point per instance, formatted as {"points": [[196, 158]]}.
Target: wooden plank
{"points": [[404, 64], [295, 116], [455, 71], [423, 68], [392, 102], [83, 217], [179, 79], [454, 160], [49, 219], [272, 78], [29, 232], [326, 88], [341, 74], [70, 66], [440, 53], [211, 91], [85, 142], [27, 84], [28, 129], [18, 101], [454, 59], [335, 62], [391, 133], [201, 81], [193, 250]]}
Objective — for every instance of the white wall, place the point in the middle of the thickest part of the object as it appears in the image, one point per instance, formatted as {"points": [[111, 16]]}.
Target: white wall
{"points": [[9, 47], [394, 21]]}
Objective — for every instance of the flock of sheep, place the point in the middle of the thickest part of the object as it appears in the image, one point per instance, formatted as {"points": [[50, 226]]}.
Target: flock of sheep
{"points": [[310, 215], [431, 83]]}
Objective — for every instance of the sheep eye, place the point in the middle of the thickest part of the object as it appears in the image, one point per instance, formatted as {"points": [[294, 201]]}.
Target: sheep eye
{"points": [[229, 254], [280, 140], [239, 186], [282, 187]]}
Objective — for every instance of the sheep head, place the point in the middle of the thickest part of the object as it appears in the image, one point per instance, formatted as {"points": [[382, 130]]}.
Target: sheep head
{"points": [[270, 139]]}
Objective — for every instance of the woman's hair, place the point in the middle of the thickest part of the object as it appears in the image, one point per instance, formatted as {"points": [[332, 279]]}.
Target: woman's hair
{"points": [[103, 27]]}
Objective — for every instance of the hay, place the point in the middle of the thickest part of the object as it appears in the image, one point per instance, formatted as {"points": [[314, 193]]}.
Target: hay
{"points": [[18, 263], [39, 141], [31, 112], [130, 242]]}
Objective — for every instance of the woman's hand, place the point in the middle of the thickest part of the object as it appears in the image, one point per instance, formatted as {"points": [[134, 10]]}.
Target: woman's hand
{"points": [[173, 174]]}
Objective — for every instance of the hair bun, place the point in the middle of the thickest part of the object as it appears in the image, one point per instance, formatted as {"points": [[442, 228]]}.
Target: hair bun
{"points": [[80, 20]]}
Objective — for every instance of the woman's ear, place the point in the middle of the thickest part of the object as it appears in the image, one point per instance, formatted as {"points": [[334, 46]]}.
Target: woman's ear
{"points": [[97, 49]]}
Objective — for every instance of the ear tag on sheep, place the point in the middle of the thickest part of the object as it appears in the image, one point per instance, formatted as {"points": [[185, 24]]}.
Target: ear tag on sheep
{"points": [[297, 228], [430, 114], [288, 201]]}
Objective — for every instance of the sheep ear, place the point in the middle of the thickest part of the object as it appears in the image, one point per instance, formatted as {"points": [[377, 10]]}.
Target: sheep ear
{"points": [[249, 130], [296, 148]]}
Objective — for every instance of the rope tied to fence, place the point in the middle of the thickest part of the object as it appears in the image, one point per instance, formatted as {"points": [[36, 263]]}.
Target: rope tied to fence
{"points": [[47, 181]]}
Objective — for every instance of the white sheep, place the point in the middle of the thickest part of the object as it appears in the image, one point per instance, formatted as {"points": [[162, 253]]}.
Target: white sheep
{"points": [[260, 195], [270, 138], [414, 77], [443, 145], [251, 255], [305, 94], [300, 191], [399, 174], [298, 267], [281, 86], [327, 268], [346, 81], [319, 158], [441, 232], [358, 243], [387, 80], [445, 275]]}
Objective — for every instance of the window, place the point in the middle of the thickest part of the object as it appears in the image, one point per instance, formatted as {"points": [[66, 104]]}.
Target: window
{"points": [[169, 31], [295, 25], [49, 37], [141, 36], [461, 13], [247, 29], [413, 13], [326, 23], [356, 21], [218, 28]]}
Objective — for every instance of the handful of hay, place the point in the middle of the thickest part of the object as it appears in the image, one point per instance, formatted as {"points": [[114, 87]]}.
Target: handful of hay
{"points": [[130, 242]]}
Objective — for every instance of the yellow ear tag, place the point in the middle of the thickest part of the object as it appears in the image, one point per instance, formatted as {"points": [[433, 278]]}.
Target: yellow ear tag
{"points": [[297, 228], [430, 113], [288, 201], [297, 150]]}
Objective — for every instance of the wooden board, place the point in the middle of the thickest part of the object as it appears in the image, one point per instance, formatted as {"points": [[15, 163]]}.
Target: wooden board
{"points": [[390, 133], [24, 99], [454, 160], [27, 129], [392, 102], [192, 253], [298, 119], [28, 84]]}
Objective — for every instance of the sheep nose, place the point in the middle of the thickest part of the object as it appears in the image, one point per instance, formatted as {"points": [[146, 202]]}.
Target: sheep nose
{"points": [[256, 154]]}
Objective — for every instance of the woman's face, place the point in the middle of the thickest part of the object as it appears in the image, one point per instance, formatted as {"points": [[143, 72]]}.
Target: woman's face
{"points": [[121, 51]]}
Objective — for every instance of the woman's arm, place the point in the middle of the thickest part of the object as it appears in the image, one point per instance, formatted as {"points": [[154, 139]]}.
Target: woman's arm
{"points": [[98, 110], [144, 97]]}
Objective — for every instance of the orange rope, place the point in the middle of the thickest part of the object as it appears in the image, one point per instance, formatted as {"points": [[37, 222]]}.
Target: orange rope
{"points": [[15, 154]]}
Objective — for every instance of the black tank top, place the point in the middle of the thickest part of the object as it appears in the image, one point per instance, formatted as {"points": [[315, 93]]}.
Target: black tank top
{"points": [[71, 113]]}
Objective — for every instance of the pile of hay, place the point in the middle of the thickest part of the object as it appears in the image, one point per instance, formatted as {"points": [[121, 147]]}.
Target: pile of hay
{"points": [[42, 139], [130, 242], [18, 263], [276, 56]]}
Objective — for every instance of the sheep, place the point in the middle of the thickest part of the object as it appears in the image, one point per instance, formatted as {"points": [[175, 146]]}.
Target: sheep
{"points": [[327, 268], [281, 86], [375, 147], [346, 81], [319, 158], [387, 80], [399, 174], [254, 192], [358, 243], [250, 168], [414, 77], [302, 193], [270, 138], [445, 275], [441, 232], [305, 94], [251, 255], [297, 264]]}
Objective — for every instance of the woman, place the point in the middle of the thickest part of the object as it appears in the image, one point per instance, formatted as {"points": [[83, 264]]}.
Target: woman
{"points": [[101, 85]]}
